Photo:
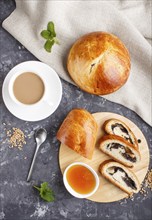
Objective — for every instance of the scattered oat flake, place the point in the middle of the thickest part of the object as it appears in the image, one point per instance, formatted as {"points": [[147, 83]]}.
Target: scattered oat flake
{"points": [[17, 138], [147, 183], [148, 180]]}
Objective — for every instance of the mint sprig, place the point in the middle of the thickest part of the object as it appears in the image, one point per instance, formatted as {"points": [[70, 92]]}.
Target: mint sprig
{"points": [[50, 36], [46, 192]]}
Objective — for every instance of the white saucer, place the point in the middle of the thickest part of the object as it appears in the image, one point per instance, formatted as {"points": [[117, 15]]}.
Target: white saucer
{"points": [[41, 110]]}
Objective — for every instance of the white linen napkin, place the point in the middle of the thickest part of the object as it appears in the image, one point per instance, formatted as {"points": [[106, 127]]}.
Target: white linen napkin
{"points": [[75, 18]]}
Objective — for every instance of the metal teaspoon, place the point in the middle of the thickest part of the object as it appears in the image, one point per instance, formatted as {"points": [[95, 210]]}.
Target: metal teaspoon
{"points": [[40, 137]]}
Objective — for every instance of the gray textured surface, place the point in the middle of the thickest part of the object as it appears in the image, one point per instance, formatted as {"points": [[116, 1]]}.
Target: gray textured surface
{"points": [[18, 200]]}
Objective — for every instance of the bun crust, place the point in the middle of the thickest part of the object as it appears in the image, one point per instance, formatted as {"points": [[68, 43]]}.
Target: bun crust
{"points": [[99, 63], [103, 169], [78, 131]]}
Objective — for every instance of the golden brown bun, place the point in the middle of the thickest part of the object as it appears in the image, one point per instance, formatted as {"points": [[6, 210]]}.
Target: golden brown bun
{"points": [[103, 169], [78, 131], [99, 63]]}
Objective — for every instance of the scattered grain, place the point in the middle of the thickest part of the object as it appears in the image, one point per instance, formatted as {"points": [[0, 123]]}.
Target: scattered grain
{"points": [[147, 184], [148, 180], [17, 138]]}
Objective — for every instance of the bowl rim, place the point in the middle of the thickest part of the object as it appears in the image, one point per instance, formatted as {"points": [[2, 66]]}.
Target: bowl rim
{"points": [[71, 190]]}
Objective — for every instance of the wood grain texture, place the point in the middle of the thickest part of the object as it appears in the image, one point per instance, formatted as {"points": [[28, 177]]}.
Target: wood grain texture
{"points": [[107, 192]]}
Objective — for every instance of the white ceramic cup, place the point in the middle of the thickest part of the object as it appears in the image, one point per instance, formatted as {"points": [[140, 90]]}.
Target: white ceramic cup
{"points": [[27, 67], [71, 190], [11, 92], [48, 103]]}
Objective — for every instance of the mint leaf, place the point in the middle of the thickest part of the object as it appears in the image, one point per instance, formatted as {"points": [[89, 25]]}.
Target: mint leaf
{"points": [[45, 34], [46, 192], [48, 45], [50, 36], [51, 29]]}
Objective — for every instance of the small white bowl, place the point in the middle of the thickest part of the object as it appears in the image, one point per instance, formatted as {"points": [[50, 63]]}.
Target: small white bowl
{"points": [[71, 190]]}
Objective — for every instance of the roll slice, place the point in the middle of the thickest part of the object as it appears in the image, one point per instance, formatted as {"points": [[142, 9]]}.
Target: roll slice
{"points": [[117, 127], [120, 176], [120, 150]]}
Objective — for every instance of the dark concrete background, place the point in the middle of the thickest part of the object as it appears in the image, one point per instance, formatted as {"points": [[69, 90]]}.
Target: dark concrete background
{"points": [[18, 200]]}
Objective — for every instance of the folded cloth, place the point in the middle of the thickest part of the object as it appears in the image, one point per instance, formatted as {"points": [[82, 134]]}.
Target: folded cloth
{"points": [[75, 18], [139, 13]]}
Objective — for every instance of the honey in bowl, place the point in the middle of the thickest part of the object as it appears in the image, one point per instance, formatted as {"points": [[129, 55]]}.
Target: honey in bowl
{"points": [[81, 179]]}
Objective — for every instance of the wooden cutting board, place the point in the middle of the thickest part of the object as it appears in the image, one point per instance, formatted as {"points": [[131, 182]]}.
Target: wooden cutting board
{"points": [[107, 192]]}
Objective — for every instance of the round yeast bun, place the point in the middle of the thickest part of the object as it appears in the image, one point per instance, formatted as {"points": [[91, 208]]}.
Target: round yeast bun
{"points": [[99, 63]]}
